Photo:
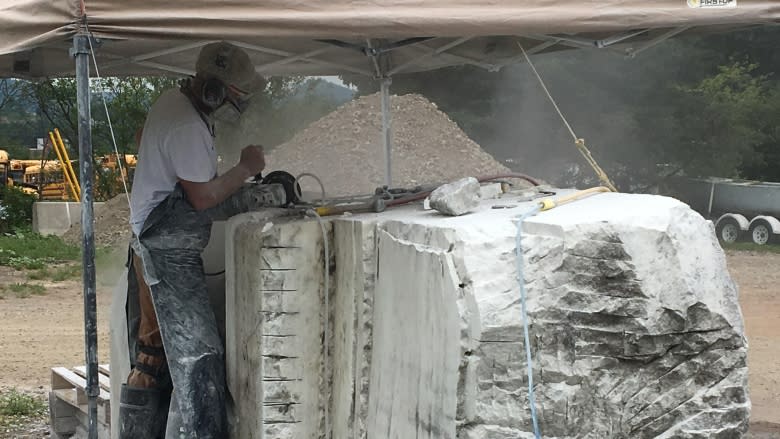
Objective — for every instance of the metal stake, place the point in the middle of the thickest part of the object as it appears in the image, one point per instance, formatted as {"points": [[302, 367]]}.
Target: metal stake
{"points": [[81, 53], [387, 134]]}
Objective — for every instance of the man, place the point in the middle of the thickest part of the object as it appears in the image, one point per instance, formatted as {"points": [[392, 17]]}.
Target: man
{"points": [[175, 348]]}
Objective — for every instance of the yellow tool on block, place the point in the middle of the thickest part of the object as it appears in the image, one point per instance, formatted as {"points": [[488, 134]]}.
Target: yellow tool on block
{"points": [[549, 203]]}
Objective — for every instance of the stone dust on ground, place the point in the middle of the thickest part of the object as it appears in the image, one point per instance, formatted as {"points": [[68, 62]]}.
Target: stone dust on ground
{"points": [[344, 148], [112, 225], [40, 332]]}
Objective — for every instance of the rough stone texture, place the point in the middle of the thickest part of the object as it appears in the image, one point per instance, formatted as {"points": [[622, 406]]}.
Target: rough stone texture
{"points": [[635, 327], [456, 198]]}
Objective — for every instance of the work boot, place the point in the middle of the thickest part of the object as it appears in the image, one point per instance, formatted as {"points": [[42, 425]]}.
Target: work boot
{"points": [[141, 414]]}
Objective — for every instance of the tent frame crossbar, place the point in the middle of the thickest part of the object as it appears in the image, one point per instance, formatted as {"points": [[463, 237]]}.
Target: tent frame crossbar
{"points": [[432, 53], [143, 59], [657, 40], [287, 60], [285, 54], [577, 43], [521, 58], [375, 51], [618, 38]]}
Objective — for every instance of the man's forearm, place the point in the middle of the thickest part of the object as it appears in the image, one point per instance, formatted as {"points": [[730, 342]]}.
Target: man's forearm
{"points": [[248, 198], [204, 196]]}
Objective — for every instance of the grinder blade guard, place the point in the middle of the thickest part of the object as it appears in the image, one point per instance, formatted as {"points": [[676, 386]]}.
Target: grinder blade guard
{"points": [[291, 187]]}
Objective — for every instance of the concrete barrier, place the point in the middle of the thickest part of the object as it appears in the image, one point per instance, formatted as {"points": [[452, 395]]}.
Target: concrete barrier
{"points": [[56, 217]]}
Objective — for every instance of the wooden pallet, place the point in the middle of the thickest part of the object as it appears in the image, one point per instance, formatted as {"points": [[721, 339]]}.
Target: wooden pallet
{"points": [[68, 407]]}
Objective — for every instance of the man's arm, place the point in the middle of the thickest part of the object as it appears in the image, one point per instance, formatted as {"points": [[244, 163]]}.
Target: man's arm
{"points": [[206, 195]]}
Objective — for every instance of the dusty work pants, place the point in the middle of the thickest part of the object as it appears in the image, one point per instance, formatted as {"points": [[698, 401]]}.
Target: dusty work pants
{"points": [[188, 330], [172, 242]]}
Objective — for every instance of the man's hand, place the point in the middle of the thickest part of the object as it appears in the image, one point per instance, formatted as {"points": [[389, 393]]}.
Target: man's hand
{"points": [[252, 159], [206, 195]]}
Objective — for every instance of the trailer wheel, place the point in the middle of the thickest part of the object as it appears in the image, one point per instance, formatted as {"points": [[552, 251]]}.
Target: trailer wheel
{"points": [[761, 233], [728, 230]]}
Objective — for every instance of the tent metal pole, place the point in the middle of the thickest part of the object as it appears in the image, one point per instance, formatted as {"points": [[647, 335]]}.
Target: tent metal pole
{"points": [[387, 134], [81, 53]]}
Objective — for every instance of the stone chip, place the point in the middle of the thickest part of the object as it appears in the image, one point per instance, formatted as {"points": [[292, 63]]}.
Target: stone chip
{"points": [[457, 198]]}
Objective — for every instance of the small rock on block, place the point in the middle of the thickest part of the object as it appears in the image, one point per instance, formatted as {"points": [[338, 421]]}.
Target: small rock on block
{"points": [[456, 198]]}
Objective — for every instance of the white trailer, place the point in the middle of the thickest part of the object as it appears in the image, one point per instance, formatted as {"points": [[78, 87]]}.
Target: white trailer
{"points": [[740, 209]]}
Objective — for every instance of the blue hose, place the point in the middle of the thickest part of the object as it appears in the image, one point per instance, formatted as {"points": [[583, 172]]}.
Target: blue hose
{"points": [[521, 281]]}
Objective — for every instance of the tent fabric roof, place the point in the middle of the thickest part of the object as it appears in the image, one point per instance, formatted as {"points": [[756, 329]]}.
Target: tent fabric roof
{"points": [[321, 37]]}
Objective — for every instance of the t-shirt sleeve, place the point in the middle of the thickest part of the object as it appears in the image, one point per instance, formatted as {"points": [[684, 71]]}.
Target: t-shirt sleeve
{"points": [[190, 149]]}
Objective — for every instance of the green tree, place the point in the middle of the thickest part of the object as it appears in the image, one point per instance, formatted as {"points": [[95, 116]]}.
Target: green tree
{"points": [[128, 101], [17, 115], [762, 164], [10, 90], [716, 124], [55, 99], [15, 208], [54, 103]]}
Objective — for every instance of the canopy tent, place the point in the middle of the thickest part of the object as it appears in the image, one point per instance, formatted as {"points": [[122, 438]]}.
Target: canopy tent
{"points": [[318, 37], [41, 38]]}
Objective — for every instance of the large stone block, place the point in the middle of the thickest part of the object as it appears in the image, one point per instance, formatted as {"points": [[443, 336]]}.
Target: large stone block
{"points": [[56, 217], [635, 328]]}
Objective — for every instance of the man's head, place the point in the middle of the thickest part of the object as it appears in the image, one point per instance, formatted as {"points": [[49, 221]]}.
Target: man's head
{"points": [[224, 73]]}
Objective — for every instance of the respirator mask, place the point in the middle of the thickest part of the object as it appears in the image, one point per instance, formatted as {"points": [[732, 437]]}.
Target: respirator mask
{"points": [[214, 94]]}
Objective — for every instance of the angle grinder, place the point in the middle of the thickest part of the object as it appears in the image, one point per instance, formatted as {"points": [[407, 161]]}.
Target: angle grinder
{"points": [[291, 187]]}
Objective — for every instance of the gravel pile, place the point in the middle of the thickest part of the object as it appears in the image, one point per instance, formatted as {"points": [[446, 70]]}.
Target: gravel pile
{"points": [[112, 224], [344, 149]]}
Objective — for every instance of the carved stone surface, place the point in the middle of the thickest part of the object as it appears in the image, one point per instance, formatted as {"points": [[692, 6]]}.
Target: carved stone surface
{"points": [[635, 327]]}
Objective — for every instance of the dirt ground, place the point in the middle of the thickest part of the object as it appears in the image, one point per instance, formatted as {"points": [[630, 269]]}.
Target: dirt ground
{"points": [[39, 332], [758, 278]]}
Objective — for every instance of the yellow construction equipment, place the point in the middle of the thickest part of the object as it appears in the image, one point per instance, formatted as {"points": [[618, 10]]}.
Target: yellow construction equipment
{"points": [[49, 180], [5, 164], [111, 161], [16, 169], [68, 173], [57, 179]]}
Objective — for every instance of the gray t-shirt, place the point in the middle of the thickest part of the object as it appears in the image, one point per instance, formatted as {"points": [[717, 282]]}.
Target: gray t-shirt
{"points": [[176, 145]]}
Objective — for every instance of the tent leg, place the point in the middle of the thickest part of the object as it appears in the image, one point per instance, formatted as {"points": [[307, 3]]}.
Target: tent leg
{"points": [[387, 135], [81, 51]]}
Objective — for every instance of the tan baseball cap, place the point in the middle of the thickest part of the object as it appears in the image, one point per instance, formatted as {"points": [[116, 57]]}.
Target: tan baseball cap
{"points": [[228, 63]]}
